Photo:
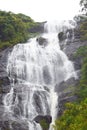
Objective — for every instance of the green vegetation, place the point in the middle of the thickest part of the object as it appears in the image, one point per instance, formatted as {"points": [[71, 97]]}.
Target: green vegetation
{"points": [[74, 118], [82, 93], [83, 20], [44, 124], [83, 30], [15, 28]]}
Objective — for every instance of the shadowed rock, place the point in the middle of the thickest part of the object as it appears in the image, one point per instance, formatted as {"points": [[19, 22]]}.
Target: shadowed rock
{"points": [[42, 41], [61, 36], [66, 92], [48, 118], [44, 121]]}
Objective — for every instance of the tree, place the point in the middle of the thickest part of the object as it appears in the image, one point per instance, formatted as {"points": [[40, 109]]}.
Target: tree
{"points": [[15, 28]]}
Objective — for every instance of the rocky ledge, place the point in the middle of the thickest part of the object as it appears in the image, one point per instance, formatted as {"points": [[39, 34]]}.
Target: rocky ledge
{"points": [[66, 89]]}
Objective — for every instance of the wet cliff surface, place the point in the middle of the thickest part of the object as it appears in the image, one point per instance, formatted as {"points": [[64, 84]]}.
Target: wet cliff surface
{"points": [[67, 90]]}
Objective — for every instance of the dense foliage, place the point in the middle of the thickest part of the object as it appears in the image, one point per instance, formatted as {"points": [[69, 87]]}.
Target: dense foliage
{"points": [[83, 30], [14, 28], [74, 118], [44, 124]]}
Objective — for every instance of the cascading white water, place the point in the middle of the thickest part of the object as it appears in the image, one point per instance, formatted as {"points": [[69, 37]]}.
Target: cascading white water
{"points": [[34, 70]]}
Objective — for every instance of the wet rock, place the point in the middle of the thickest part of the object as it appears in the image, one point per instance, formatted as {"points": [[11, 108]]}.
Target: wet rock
{"points": [[4, 125], [65, 38], [64, 85], [44, 121], [66, 93], [70, 51], [48, 118], [13, 125], [3, 66], [77, 62], [69, 34], [42, 41], [38, 102], [46, 75], [4, 81], [19, 126], [1, 99], [5, 89], [61, 36]]}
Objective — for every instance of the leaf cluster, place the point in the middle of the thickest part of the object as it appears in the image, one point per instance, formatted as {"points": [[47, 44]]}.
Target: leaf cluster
{"points": [[14, 28]]}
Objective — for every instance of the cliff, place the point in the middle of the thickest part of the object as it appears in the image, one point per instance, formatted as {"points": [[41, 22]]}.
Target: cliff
{"points": [[66, 90]]}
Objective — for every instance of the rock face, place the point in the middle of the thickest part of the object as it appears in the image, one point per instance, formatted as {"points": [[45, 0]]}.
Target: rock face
{"points": [[4, 80], [42, 41], [66, 90], [13, 125], [62, 36], [6, 123]]}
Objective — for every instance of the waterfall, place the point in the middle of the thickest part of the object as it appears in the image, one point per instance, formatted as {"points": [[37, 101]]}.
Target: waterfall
{"points": [[34, 70]]}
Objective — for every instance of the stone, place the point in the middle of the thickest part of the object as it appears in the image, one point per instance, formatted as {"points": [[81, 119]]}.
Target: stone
{"points": [[44, 121], [4, 125], [48, 118], [61, 36], [42, 41]]}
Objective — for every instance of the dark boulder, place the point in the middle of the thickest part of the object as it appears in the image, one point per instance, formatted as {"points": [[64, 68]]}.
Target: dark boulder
{"points": [[61, 36], [42, 41], [4, 81], [44, 121], [48, 118]]}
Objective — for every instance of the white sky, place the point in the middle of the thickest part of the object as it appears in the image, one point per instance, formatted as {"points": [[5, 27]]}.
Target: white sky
{"points": [[41, 10]]}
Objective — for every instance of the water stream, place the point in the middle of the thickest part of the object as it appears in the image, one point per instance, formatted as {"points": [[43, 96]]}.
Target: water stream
{"points": [[34, 70]]}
